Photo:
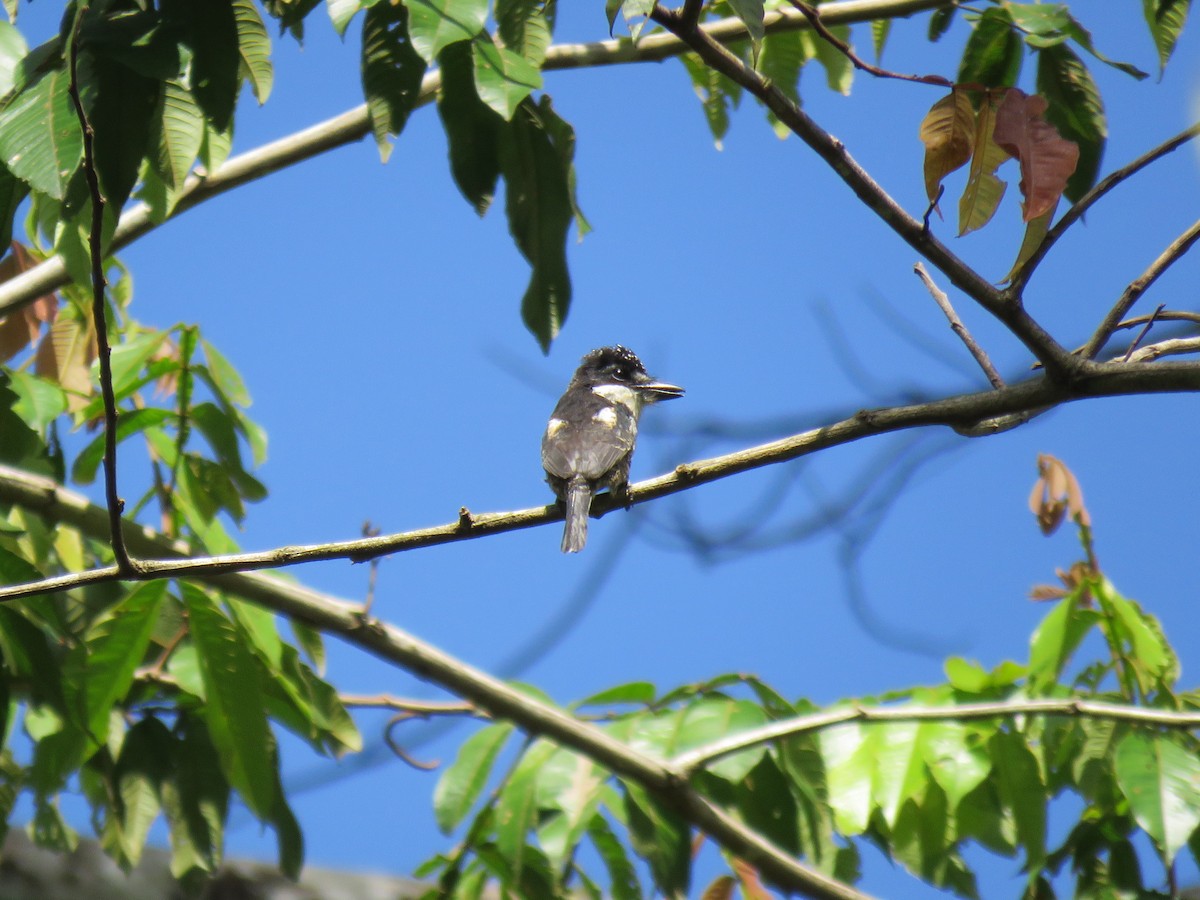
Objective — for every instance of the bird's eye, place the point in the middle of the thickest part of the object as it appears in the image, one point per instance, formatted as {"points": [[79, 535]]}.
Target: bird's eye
{"points": [[621, 373]]}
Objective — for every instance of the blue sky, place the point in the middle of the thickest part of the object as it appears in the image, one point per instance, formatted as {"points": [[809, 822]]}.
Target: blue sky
{"points": [[375, 320]]}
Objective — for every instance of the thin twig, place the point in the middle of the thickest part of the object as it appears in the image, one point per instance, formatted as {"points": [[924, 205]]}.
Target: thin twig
{"points": [[699, 757], [410, 705], [1151, 319], [956, 325], [1016, 286], [1172, 347], [932, 208], [369, 530], [1137, 287], [814, 17], [96, 250], [390, 739]]}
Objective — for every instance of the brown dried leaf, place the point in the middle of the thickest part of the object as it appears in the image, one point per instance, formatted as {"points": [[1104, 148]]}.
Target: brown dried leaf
{"points": [[1047, 159], [1056, 493], [65, 356], [948, 132], [1043, 592], [20, 328]]}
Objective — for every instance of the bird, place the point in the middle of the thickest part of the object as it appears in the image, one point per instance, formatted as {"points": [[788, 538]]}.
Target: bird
{"points": [[591, 434]]}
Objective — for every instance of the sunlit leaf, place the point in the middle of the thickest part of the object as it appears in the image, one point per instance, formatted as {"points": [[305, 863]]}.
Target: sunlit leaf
{"points": [[234, 708], [992, 56], [502, 78], [436, 24], [464, 780], [1022, 791], [12, 50], [1165, 19], [40, 140], [623, 879], [523, 27], [948, 133], [254, 49], [180, 126], [1161, 781], [984, 191], [342, 11], [751, 14]]}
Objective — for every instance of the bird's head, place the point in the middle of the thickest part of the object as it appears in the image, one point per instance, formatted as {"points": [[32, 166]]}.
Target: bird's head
{"points": [[617, 373]]}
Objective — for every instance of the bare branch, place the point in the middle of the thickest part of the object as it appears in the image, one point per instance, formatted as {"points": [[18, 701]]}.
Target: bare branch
{"points": [[1058, 362], [1137, 287], [963, 412], [411, 705], [1172, 347], [1141, 335], [99, 313], [816, 20], [353, 125], [694, 760], [1017, 286], [956, 325]]}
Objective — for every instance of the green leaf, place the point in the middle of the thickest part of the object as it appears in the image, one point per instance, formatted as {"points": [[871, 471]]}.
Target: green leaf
{"points": [[751, 14], [147, 755], [1022, 791], [516, 807], [179, 125], [122, 116], [128, 358], [84, 469], [109, 655], [464, 780], [502, 78], [839, 71], [717, 95], [659, 837], [880, 29], [342, 11], [1161, 781], [1055, 640], [1035, 233], [623, 879], [12, 192], [1076, 110], [1166, 19], [992, 56], [984, 191], [957, 761], [572, 784], [940, 21], [211, 30], [196, 800], [234, 708], [767, 805], [40, 140], [900, 773], [540, 211], [436, 24], [640, 693], [524, 29], [472, 129], [40, 401], [848, 751], [1148, 651], [12, 50], [223, 377], [391, 72], [1083, 38], [783, 57], [16, 569], [712, 718], [254, 49]]}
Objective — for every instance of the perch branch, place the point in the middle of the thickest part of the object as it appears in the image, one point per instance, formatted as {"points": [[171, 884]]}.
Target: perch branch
{"points": [[956, 325]]}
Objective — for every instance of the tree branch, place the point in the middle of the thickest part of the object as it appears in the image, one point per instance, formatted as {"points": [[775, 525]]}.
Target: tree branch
{"points": [[696, 759], [99, 312], [963, 412], [956, 325], [1139, 286], [353, 125], [1057, 361], [1016, 287]]}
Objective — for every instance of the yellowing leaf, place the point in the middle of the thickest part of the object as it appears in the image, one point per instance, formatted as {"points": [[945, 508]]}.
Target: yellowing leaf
{"points": [[984, 190], [948, 132]]}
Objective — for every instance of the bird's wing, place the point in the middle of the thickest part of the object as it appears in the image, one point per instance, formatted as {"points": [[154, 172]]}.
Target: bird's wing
{"points": [[588, 446]]}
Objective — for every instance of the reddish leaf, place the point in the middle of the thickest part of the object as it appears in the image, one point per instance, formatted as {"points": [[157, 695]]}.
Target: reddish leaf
{"points": [[751, 884], [1047, 159], [948, 132], [20, 328]]}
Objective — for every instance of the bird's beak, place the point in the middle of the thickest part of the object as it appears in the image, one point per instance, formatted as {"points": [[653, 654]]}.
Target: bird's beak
{"points": [[653, 391]]}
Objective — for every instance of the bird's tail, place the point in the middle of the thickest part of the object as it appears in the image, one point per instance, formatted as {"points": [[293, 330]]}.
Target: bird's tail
{"points": [[579, 502]]}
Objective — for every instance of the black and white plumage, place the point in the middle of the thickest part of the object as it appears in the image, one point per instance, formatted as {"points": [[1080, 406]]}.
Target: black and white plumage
{"points": [[590, 438]]}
